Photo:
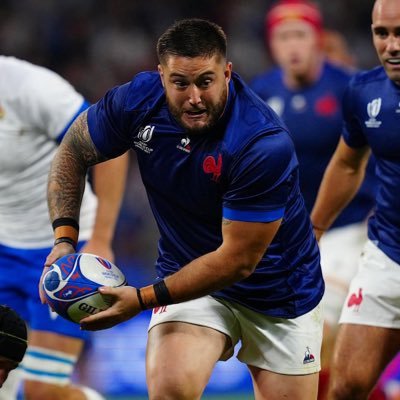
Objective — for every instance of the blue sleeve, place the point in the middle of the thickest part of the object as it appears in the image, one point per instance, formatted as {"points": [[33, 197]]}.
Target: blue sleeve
{"points": [[108, 123], [352, 131], [261, 180], [83, 107]]}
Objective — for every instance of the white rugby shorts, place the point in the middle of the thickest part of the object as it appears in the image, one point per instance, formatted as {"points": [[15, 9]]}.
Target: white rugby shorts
{"points": [[283, 346], [340, 249], [374, 294]]}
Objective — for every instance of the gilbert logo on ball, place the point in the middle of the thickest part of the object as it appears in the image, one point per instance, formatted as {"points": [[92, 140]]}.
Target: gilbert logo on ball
{"points": [[72, 282]]}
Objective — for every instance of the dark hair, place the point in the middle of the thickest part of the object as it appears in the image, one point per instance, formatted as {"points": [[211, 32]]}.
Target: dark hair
{"points": [[13, 334], [191, 37]]}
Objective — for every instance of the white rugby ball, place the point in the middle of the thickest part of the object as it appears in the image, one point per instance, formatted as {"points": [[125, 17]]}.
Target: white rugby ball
{"points": [[71, 284]]}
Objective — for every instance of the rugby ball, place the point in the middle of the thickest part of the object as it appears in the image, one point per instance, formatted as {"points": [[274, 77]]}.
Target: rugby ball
{"points": [[71, 284]]}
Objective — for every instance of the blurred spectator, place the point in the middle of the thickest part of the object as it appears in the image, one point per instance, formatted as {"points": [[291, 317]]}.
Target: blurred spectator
{"points": [[336, 49]]}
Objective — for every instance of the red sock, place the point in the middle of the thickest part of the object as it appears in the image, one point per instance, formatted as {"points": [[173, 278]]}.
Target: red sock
{"points": [[323, 384], [377, 393]]}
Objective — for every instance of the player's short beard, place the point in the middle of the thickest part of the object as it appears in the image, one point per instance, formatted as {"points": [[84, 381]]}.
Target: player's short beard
{"points": [[214, 113]]}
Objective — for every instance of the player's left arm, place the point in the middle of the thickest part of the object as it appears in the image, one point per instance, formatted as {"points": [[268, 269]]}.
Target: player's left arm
{"points": [[109, 183], [243, 246], [341, 181]]}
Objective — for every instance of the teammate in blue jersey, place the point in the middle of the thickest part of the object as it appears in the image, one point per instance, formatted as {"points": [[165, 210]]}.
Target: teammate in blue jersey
{"points": [[368, 336], [237, 257], [306, 91], [36, 108]]}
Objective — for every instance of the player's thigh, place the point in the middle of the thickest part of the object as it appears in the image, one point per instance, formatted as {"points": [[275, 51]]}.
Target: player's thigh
{"points": [[55, 341], [272, 386], [185, 341], [284, 346], [183, 355], [362, 352], [339, 267], [53, 348]]}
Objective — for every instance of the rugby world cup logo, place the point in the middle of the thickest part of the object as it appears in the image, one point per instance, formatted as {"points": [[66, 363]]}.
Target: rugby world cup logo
{"points": [[146, 133], [373, 109], [144, 136]]}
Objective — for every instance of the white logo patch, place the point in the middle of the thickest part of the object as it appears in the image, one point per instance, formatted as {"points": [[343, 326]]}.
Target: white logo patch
{"points": [[184, 145], [277, 104], [145, 134], [373, 109]]}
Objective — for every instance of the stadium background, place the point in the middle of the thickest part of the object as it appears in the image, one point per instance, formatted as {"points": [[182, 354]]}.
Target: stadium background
{"points": [[97, 44]]}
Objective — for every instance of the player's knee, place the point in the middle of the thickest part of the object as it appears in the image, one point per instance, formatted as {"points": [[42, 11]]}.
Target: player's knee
{"points": [[35, 390], [180, 386], [174, 392]]}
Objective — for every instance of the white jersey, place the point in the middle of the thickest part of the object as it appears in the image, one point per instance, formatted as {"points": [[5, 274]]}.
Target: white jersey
{"points": [[36, 105]]}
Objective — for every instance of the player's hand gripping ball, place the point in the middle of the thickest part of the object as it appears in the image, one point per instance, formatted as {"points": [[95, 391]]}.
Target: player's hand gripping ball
{"points": [[71, 284]]}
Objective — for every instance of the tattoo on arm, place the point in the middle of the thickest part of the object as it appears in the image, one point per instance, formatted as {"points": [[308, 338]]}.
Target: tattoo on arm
{"points": [[68, 170], [226, 221]]}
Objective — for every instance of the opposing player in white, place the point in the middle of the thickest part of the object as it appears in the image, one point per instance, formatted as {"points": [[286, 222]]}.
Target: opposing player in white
{"points": [[36, 108]]}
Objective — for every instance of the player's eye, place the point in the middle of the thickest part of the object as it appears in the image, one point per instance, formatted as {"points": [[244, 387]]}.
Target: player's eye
{"points": [[180, 84], [381, 33], [205, 83]]}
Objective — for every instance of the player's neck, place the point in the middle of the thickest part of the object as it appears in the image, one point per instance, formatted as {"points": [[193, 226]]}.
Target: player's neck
{"points": [[308, 78]]}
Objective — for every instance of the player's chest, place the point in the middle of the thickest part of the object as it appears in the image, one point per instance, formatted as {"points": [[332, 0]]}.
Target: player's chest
{"points": [[380, 121], [19, 143], [174, 161]]}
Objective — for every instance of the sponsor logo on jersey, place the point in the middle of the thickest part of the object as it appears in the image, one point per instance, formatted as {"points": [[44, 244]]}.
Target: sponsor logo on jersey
{"points": [[308, 356], [211, 166], [184, 145], [143, 138], [355, 300], [373, 109], [398, 110]]}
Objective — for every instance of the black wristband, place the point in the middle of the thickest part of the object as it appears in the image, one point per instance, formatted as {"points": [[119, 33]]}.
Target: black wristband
{"points": [[65, 239], [139, 296], [162, 293], [65, 222]]}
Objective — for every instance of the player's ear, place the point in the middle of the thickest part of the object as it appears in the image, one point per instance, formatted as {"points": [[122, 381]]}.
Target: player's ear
{"points": [[228, 71], [161, 72]]}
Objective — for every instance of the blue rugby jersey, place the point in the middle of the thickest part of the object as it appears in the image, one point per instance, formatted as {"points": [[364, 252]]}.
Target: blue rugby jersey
{"points": [[372, 116], [245, 169], [314, 118]]}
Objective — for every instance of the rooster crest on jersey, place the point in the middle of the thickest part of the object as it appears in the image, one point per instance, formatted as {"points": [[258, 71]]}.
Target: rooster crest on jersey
{"points": [[72, 282]]}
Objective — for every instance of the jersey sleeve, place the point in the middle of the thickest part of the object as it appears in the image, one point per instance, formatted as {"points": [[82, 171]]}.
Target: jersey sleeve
{"points": [[261, 180], [108, 123], [352, 131], [51, 102]]}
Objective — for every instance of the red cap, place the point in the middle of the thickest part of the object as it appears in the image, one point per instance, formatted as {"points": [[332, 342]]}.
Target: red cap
{"points": [[285, 10]]}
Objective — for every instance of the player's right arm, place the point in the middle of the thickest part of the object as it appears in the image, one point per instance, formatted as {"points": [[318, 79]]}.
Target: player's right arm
{"points": [[341, 181], [66, 184]]}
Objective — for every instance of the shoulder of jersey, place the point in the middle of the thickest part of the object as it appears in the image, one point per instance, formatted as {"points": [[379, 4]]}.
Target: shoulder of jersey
{"points": [[145, 90], [372, 75]]}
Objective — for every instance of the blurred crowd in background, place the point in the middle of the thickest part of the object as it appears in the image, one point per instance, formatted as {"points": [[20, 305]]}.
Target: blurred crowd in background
{"points": [[97, 44]]}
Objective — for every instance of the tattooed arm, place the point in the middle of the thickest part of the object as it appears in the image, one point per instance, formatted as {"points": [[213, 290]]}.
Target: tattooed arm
{"points": [[66, 184], [108, 180]]}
